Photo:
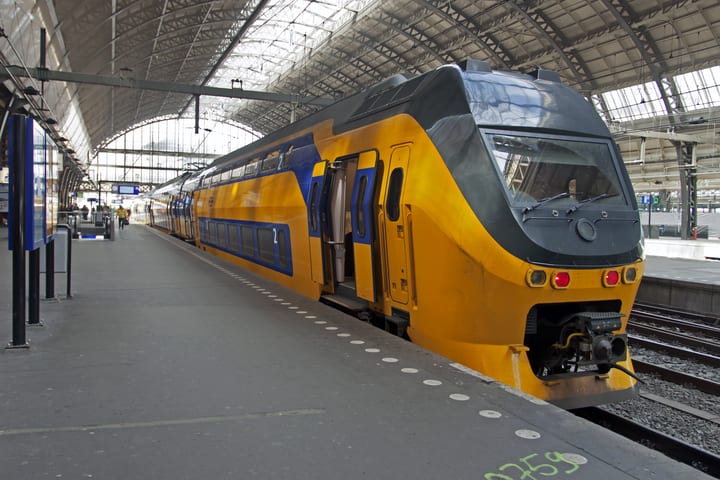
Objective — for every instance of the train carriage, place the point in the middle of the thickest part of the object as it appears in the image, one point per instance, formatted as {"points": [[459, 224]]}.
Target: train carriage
{"points": [[486, 216]]}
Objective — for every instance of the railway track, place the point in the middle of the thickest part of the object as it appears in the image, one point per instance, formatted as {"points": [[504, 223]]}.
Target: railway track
{"points": [[677, 377], [707, 345], [679, 450], [701, 318]]}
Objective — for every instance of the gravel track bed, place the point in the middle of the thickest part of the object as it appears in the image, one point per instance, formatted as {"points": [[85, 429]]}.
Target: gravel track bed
{"points": [[674, 363], [687, 427]]}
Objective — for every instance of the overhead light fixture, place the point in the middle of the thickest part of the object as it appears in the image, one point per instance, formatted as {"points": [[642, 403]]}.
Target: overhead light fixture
{"points": [[51, 121]]}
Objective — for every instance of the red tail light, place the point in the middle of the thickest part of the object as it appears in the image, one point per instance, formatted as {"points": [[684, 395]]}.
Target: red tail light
{"points": [[561, 279], [611, 278]]}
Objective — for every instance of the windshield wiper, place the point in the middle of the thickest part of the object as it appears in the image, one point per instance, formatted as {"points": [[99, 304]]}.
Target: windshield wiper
{"points": [[542, 202], [590, 200]]}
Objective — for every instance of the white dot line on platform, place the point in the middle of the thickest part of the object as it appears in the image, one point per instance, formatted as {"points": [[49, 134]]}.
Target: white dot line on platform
{"points": [[310, 316], [460, 397], [390, 360], [285, 303], [301, 312], [575, 458], [331, 328], [372, 350], [272, 296], [293, 308], [489, 414], [527, 434], [432, 383], [344, 335], [409, 370], [279, 299], [320, 322], [357, 342]]}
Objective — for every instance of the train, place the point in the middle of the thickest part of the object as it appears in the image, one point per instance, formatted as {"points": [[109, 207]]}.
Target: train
{"points": [[484, 215]]}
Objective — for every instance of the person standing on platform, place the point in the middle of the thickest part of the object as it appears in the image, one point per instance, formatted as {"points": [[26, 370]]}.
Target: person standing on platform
{"points": [[122, 215]]}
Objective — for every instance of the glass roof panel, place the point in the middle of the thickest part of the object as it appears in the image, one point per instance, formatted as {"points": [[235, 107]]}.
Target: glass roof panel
{"points": [[279, 39], [635, 102], [699, 89]]}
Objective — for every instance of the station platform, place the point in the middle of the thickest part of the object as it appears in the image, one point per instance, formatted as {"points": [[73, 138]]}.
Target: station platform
{"points": [[170, 364], [682, 274]]}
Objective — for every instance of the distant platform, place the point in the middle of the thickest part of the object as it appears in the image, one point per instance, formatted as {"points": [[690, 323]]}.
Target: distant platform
{"points": [[687, 249]]}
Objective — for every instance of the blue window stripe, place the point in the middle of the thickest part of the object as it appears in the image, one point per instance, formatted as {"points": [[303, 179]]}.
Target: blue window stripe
{"points": [[274, 252]]}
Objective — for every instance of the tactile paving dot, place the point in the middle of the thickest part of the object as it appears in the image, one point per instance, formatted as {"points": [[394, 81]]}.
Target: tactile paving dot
{"points": [[432, 383], [372, 350], [528, 434], [409, 370], [460, 397], [390, 360], [489, 414], [575, 458]]}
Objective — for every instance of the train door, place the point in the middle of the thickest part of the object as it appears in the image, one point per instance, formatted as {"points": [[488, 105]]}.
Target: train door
{"points": [[340, 210], [392, 221], [363, 221], [315, 202], [341, 174]]}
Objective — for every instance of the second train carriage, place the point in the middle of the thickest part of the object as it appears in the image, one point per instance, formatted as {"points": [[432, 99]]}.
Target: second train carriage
{"points": [[485, 215]]}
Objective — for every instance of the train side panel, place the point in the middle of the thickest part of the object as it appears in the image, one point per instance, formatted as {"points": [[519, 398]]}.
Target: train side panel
{"points": [[254, 206]]}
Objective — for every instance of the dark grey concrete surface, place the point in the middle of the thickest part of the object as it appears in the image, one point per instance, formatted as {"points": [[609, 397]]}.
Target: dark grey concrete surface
{"points": [[169, 364], [692, 285]]}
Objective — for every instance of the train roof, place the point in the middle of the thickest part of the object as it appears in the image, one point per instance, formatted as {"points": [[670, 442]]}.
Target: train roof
{"points": [[495, 99]]}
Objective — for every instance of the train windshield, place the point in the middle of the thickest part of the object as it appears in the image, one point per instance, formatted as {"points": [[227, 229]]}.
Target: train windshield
{"points": [[540, 169]]}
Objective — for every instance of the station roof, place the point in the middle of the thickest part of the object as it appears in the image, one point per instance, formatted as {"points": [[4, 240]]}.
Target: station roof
{"points": [[647, 65]]}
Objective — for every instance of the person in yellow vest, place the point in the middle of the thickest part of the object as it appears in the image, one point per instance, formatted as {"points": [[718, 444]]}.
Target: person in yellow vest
{"points": [[122, 216]]}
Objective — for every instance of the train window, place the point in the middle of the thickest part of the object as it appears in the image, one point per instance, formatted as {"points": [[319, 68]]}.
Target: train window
{"points": [[266, 244], [283, 249], [238, 172], [393, 196], [536, 168], [222, 235], [284, 157], [360, 206], [225, 176], [233, 238], [252, 168], [203, 230], [213, 233], [271, 162], [247, 234], [313, 207]]}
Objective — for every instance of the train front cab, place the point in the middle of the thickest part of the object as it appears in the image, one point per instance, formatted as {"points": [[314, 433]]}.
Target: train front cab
{"points": [[412, 249]]}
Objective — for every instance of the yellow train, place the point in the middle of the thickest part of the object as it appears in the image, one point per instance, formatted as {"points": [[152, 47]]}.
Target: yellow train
{"points": [[486, 216]]}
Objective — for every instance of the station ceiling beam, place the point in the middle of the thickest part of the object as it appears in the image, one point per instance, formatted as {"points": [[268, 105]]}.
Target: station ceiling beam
{"points": [[126, 82]]}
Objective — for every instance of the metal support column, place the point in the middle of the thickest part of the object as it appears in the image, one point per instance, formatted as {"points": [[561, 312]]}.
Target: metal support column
{"points": [[688, 188], [34, 289], [50, 269], [16, 141]]}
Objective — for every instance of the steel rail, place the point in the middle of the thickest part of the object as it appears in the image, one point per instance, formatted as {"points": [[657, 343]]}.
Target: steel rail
{"points": [[679, 450], [680, 352], [711, 347], [685, 314], [670, 322], [679, 378]]}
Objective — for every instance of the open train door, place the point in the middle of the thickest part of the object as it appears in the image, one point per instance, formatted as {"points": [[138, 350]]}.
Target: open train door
{"points": [[363, 233]]}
